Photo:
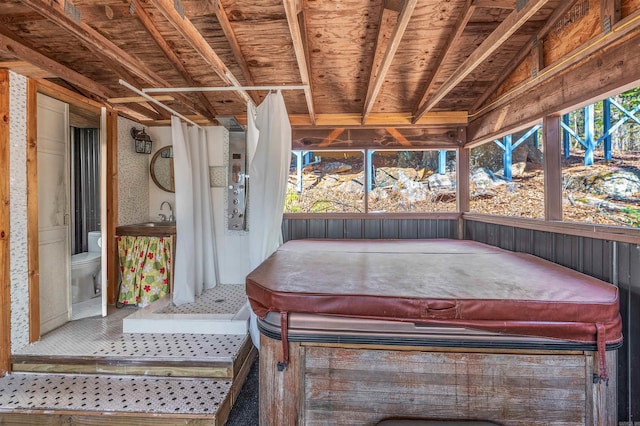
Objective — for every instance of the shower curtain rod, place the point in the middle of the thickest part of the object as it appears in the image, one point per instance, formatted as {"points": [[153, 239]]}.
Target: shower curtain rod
{"points": [[222, 89], [160, 104]]}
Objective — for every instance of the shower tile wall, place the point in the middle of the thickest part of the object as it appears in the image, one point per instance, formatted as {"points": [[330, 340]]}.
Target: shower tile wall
{"points": [[133, 177], [18, 210]]}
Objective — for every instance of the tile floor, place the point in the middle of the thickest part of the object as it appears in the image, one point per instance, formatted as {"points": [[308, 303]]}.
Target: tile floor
{"points": [[103, 337]]}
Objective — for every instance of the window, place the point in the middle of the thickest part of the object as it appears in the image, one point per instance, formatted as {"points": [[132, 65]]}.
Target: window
{"points": [[601, 162], [506, 176], [413, 181], [326, 181], [396, 181]]}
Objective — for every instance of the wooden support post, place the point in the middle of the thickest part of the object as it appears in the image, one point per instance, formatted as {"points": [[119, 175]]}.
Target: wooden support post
{"points": [[5, 249], [552, 168], [462, 186], [589, 140], [606, 125], [113, 273], [33, 238]]}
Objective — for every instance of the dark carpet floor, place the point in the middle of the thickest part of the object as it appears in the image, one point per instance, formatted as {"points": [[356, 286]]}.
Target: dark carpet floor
{"points": [[245, 409]]}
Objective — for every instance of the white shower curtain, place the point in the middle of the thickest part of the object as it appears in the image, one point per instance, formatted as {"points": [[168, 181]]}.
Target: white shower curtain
{"points": [[269, 155], [195, 263]]}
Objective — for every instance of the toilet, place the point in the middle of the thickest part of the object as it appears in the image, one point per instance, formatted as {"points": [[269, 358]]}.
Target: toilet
{"points": [[85, 270]]}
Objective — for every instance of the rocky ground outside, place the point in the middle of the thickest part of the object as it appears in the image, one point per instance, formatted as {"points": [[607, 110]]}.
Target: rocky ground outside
{"points": [[607, 192]]}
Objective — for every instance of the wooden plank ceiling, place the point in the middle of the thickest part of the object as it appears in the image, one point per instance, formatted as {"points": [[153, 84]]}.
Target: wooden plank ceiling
{"points": [[377, 63]]}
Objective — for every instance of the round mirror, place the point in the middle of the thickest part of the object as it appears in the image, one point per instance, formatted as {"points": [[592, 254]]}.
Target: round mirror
{"points": [[162, 169]]}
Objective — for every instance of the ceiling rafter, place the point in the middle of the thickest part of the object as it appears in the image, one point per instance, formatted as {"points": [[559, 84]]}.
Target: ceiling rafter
{"points": [[524, 52], [99, 44], [171, 55], [445, 54], [9, 43], [292, 9], [223, 20], [386, 47], [191, 34], [493, 42]]}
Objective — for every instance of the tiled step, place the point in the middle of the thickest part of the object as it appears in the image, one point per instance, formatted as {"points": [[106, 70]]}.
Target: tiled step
{"points": [[214, 357], [101, 399], [33, 398]]}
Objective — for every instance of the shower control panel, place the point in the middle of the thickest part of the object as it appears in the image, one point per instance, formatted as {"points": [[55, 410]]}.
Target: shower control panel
{"points": [[237, 179]]}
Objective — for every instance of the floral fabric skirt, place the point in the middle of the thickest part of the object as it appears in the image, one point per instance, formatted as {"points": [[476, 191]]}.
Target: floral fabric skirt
{"points": [[145, 267]]}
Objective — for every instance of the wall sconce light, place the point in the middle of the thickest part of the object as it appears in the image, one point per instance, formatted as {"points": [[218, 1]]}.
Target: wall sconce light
{"points": [[142, 141]]}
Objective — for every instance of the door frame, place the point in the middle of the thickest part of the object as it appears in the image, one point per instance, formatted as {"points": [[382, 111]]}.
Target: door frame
{"points": [[5, 248], [108, 147]]}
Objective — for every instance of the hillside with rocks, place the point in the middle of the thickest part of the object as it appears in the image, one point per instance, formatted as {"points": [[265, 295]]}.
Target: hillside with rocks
{"points": [[604, 193]]}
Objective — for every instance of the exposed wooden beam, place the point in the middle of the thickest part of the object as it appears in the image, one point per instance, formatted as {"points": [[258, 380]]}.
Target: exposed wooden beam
{"points": [[392, 28], [492, 43], [223, 20], [171, 55], [138, 99], [10, 43], [104, 47], [610, 13], [5, 228], [451, 45], [26, 69], [523, 54], [292, 8], [191, 34], [380, 120], [613, 67], [495, 4]]}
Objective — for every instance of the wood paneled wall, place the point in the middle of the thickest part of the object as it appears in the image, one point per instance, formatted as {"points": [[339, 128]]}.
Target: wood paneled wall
{"points": [[615, 262], [295, 229], [611, 261]]}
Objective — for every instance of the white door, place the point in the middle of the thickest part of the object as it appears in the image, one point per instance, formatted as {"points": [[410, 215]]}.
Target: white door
{"points": [[53, 212]]}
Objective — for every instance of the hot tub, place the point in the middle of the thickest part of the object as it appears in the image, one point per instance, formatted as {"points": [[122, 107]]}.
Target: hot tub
{"points": [[355, 332]]}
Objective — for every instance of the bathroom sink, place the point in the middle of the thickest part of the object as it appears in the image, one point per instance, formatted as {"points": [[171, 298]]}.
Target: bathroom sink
{"points": [[157, 224]]}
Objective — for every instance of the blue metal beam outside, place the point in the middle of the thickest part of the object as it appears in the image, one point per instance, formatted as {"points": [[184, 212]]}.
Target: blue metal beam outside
{"points": [[507, 149], [566, 146], [606, 125], [589, 141], [442, 161], [369, 175]]}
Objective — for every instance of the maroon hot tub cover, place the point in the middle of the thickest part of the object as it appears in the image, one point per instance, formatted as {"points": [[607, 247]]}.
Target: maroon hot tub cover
{"points": [[444, 282]]}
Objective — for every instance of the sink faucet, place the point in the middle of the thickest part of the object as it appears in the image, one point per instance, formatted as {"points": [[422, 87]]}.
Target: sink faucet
{"points": [[164, 217]]}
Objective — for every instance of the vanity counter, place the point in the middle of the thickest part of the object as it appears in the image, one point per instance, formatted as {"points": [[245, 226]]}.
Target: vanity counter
{"points": [[150, 229]]}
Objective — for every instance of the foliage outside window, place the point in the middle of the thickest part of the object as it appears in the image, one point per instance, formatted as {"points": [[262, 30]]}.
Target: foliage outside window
{"points": [[601, 175], [398, 181], [506, 176]]}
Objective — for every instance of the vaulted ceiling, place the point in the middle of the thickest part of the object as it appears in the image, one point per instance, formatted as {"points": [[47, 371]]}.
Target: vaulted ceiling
{"points": [[361, 61]]}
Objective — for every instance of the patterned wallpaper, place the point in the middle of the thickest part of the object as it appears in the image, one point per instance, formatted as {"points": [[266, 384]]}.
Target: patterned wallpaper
{"points": [[19, 275], [133, 177]]}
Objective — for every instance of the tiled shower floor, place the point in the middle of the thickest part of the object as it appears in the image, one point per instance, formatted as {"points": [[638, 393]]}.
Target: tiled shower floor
{"points": [[103, 337]]}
